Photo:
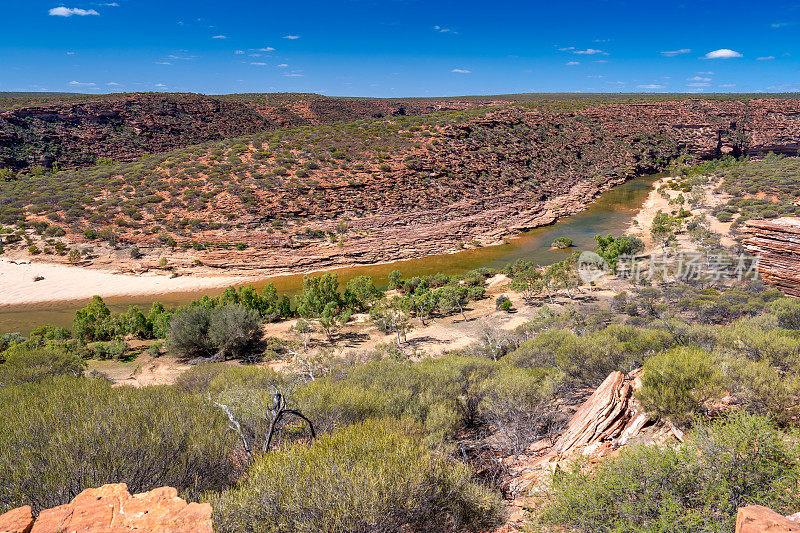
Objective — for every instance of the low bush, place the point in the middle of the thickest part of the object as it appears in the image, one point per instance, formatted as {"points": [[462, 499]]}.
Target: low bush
{"points": [[64, 434], [676, 383], [372, 476], [226, 331], [696, 488], [22, 364]]}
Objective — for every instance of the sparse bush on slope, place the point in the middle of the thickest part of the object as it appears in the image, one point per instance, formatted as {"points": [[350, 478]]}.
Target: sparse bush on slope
{"points": [[61, 435], [696, 488], [370, 477]]}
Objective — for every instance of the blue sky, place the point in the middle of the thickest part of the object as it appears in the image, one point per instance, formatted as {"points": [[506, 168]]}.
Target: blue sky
{"points": [[399, 47]]}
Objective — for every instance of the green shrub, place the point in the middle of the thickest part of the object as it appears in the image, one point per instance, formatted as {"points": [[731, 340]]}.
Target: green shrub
{"points": [[21, 364], [696, 488], [788, 312], [373, 476], [562, 243], [64, 434], [676, 383], [226, 331]]}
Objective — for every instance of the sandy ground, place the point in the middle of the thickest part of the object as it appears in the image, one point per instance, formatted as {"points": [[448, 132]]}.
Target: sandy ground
{"points": [[64, 282], [641, 223], [360, 336]]}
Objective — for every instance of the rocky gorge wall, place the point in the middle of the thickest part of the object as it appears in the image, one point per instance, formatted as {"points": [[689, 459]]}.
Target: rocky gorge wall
{"points": [[509, 168], [777, 243], [75, 134]]}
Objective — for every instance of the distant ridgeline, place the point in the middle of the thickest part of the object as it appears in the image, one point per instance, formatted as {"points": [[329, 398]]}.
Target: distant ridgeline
{"points": [[72, 130]]}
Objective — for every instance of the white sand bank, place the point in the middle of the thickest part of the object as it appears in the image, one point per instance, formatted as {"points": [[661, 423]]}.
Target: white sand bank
{"points": [[65, 282]]}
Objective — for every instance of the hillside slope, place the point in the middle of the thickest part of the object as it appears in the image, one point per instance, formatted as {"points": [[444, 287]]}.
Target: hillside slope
{"points": [[386, 188]]}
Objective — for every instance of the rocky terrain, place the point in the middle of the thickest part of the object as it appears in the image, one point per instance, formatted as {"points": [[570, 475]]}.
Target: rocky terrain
{"points": [[457, 174], [777, 242], [112, 509], [124, 127]]}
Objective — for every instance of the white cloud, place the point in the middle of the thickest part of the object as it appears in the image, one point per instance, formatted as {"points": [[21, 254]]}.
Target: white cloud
{"points": [[650, 86], [163, 63], [723, 53], [765, 58], [259, 64], [566, 48], [728, 85], [698, 78], [673, 53], [69, 11], [600, 61], [706, 73], [160, 85], [461, 71], [238, 52], [441, 29], [82, 84], [114, 84], [111, 4], [703, 84], [293, 75], [596, 76], [782, 24], [590, 52], [266, 49], [70, 53], [282, 65], [291, 37], [572, 63], [219, 37]]}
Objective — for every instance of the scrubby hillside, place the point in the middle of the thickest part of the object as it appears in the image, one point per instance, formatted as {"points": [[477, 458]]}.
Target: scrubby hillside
{"points": [[382, 188]]}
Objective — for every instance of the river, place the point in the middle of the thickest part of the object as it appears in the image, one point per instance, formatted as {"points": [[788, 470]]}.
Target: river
{"points": [[610, 213]]}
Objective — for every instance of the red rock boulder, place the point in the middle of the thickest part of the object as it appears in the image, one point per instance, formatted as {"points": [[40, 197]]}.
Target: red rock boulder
{"points": [[759, 519], [19, 520], [112, 509]]}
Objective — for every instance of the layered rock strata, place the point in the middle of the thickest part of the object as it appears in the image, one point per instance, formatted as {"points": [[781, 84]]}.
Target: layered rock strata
{"points": [[777, 245]]}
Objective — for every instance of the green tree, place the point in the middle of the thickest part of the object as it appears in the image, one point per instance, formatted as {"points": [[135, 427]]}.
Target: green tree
{"points": [[663, 229], [90, 323], [360, 293], [452, 297], [318, 292]]}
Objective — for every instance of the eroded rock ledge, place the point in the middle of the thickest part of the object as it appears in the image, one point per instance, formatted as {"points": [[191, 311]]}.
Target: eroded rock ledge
{"points": [[112, 509], [777, 242]]}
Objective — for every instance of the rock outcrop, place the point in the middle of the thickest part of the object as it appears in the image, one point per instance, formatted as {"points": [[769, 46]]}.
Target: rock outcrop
{"points": [[19, 520], [777, 244], [112, 509], [759, 519]]}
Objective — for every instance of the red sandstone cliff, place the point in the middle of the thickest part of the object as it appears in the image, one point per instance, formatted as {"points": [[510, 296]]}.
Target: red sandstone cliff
{"points": [[777, 243]]}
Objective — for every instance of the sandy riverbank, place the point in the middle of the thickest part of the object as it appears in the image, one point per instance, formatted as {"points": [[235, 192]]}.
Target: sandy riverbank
{"points": [[65, 282], [643, 221]]}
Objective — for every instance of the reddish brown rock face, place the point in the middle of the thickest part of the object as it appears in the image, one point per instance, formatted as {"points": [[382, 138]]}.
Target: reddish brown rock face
{"points": [[19, 520], [759, 519], [124, 128], [111, 509], [777, 242]]}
